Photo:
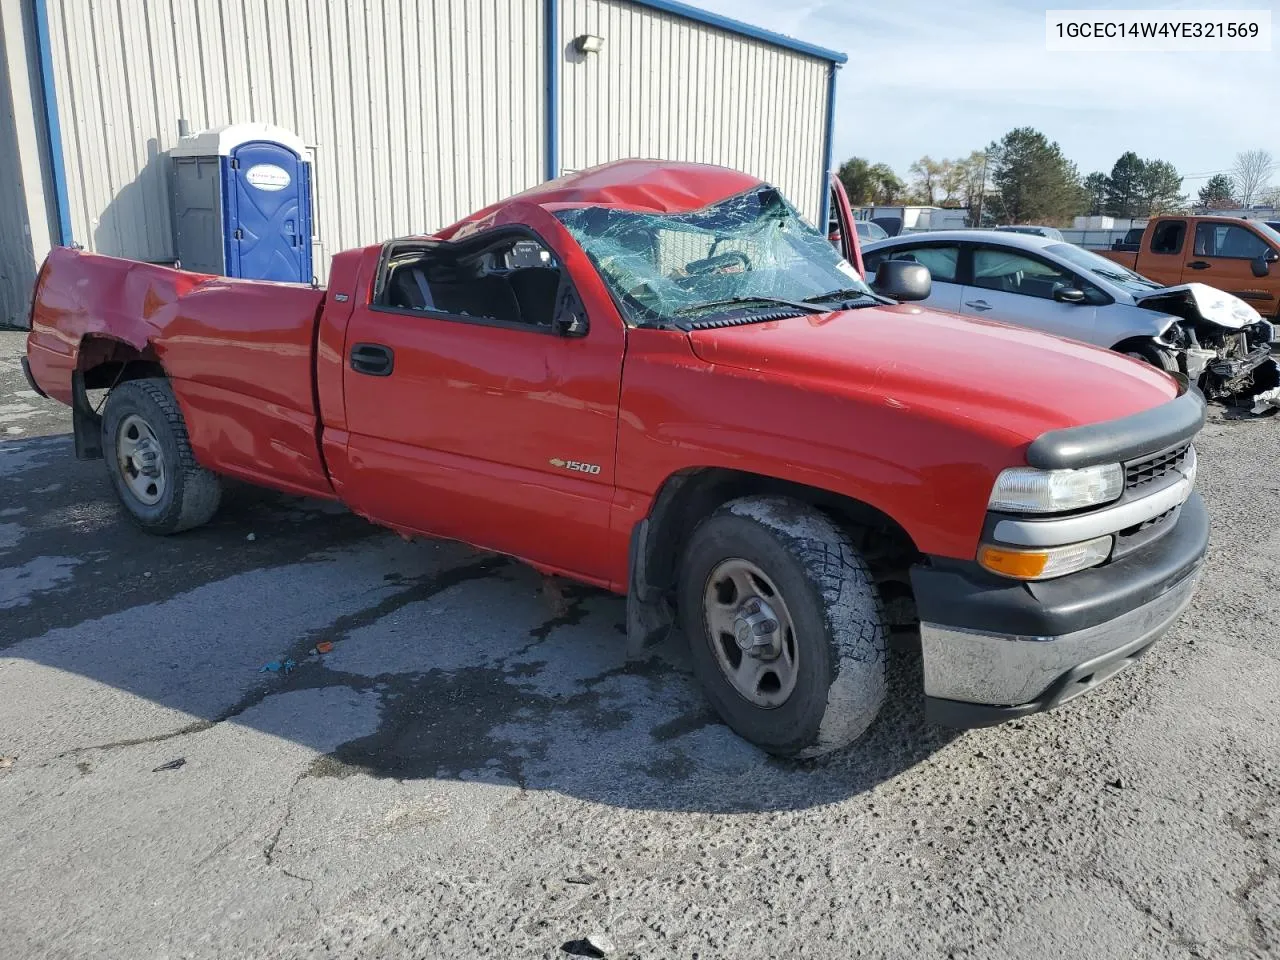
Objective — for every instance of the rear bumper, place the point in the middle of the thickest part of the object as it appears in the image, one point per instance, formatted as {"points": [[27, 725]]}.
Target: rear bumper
{"points": [[26, 372], [997, 649]]}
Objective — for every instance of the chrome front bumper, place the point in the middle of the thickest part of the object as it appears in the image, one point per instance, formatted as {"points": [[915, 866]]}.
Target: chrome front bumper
{"points": [[994, 649], [1012, 670]]}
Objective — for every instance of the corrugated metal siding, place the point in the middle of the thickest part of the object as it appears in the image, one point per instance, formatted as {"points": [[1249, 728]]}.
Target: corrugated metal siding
{"points": [[419, 111], [665, 87], [25, 217], [16, 260]]}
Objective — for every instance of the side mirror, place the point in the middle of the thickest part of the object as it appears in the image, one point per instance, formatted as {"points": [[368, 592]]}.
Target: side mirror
{"points": [[1069, 295], [1260, 265], [903, 280]]}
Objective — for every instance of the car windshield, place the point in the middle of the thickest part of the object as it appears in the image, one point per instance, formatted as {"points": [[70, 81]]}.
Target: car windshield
{"points": [[751, 247], [1122, 277]]}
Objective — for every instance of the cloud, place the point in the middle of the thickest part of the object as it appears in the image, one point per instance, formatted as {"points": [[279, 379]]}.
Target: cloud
{"points": [[945, 79]]}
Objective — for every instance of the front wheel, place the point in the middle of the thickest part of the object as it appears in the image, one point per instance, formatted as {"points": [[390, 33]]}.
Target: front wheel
{"points": [[150, 461], [786, 630]]}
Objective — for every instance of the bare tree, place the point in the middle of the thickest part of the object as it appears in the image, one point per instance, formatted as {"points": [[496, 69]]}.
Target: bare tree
{"points": [[1251, 173]]}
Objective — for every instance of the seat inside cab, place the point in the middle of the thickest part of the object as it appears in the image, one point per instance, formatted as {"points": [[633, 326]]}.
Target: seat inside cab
{"points": [[513, 281]]}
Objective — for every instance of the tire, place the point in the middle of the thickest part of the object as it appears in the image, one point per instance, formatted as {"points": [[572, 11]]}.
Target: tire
{"points": [[1152, 354], [830, 675], [143, 425]]}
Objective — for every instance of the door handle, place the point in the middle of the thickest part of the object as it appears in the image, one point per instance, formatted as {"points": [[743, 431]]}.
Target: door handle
{"points": [[1198, 265], [373, 359], [978, 304]]}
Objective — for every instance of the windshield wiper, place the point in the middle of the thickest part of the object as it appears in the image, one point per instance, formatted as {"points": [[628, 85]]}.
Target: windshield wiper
{"points": [[735, 301], [847, 293]]}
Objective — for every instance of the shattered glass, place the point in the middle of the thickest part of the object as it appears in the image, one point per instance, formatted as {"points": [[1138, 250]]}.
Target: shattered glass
{"points": [[663, 267]]}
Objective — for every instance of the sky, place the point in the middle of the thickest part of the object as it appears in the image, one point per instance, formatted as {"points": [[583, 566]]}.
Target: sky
{"points": [[944, 78]]}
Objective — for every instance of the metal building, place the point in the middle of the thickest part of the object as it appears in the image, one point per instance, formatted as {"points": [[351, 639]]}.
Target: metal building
{"points": [[416, 112]]}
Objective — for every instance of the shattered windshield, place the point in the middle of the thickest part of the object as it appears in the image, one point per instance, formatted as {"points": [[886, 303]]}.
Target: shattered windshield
{"points": [[1122, 277], [751, 250]]}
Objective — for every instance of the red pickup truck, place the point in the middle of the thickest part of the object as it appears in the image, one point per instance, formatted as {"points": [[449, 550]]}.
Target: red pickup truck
{"points": [[659, 379]]}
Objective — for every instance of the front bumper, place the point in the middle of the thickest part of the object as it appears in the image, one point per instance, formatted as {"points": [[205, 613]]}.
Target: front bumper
{"points": [[997, 649]]}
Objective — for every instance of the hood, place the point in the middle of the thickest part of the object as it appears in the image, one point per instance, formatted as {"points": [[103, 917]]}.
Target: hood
{"points": [[1192, 300], [1006, 381]]}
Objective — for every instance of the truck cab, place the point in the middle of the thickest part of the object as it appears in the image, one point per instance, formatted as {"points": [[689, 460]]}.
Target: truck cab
{"points": [[1235, 255]]}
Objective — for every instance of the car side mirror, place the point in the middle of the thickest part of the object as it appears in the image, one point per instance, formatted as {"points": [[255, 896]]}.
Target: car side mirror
{"points": [[1069, 295], [903, 280], [1260, 265], [570, 316]]}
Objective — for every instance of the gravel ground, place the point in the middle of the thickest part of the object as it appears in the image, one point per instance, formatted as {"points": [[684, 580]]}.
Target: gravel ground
{"points": [[475, 770]]}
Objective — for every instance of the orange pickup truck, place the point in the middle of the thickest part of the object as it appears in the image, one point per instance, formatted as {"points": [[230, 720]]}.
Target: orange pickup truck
{"points": [[1235, 255]]}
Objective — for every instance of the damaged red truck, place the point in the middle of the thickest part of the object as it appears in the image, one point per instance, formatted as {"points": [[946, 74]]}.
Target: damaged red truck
{"points": [[659, 379]]}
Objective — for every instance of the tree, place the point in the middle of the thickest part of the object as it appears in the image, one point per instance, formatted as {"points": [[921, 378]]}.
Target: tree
{"points": [[1159, 188], [1095, 189], [928, 174], [973, 174], [1252, 173], [1219, 193], [867, 182], [1034, 182], [889, 187], [1270, 197], [1124, 190], [857, 179], [952, 182]]}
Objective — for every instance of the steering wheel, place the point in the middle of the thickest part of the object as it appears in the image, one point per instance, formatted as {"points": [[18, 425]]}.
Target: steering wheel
{"points": [[718, 264]]}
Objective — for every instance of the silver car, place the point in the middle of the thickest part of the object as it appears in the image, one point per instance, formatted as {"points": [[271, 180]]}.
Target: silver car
{"points": [[1214, 338]]}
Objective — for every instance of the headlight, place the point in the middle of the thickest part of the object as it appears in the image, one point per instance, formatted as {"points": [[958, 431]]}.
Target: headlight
{"points": [[1046, 562], [1028, 490]]}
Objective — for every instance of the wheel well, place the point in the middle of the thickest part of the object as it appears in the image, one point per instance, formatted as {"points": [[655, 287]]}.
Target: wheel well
{"points": [[1129, 343], [687, 497], [101, 364], [104, 361]]}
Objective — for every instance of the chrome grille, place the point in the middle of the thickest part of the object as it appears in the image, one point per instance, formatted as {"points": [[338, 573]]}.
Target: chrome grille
{"points": [[1140, 472]]}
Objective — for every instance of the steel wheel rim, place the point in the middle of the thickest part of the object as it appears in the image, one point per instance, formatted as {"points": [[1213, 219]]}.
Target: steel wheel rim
{"points": [[751, 633], [141, 460]]}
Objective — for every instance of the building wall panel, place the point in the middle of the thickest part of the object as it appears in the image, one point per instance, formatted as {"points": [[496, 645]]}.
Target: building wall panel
{"points": [[669, 88], [419, 111]]}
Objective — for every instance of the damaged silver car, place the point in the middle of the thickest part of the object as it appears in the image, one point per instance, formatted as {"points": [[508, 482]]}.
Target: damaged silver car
{"points": [[1215, 339]]}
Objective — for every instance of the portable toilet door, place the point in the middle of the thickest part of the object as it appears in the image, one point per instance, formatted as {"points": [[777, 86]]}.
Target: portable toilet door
{"points": [[268, 193]]}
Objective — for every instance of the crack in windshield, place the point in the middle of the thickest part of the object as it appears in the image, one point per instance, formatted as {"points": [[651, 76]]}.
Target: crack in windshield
{"points": [[753, 247]]}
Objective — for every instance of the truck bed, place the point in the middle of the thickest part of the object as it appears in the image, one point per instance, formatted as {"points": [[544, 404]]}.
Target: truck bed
{"points": [[1126, 258], [240, 355]]}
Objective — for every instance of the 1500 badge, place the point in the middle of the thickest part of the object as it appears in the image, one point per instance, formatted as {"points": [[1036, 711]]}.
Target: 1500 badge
{"points": [[591, 468]]}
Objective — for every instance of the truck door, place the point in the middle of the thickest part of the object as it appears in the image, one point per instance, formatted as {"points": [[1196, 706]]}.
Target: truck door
{"points": [[842, 223], [1223, 256], [482, 403], [1162, 259]]}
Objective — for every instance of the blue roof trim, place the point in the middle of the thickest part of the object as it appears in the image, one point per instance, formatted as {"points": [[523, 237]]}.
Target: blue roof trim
{"points": [[53, 128], [744, 29]]}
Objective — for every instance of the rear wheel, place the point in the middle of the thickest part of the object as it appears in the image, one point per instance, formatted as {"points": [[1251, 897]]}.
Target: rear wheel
{"points": [[150, 462], [785, 627]]}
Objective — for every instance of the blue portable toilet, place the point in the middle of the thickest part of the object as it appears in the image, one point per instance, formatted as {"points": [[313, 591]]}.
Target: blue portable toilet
{"points": [[242, 203]]}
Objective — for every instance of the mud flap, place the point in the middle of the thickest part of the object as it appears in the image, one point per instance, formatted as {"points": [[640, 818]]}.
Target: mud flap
{"points": [[86, 424], [649, 615]]}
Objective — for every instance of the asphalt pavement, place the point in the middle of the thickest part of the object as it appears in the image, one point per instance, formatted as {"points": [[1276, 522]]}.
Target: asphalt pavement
{"points": [[474, 769]]}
